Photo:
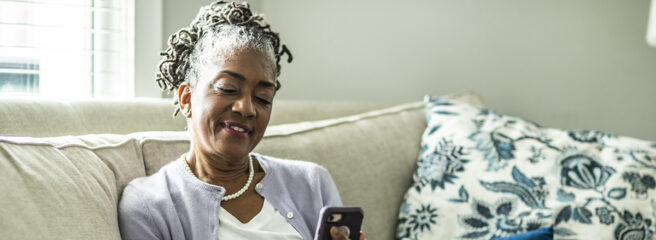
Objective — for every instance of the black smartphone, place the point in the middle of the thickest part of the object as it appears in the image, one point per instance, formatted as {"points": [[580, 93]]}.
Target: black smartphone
{"points": [[339, 216]]}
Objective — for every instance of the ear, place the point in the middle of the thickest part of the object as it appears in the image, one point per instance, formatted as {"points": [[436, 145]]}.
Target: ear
{"points": [[184, 99]]}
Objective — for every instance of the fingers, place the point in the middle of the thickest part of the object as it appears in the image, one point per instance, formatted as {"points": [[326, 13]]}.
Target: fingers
{"points": [[344, 231], [340, 233]]}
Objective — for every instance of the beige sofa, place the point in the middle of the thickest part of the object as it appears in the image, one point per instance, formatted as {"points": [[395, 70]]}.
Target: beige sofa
{"points": [[64, 180]]}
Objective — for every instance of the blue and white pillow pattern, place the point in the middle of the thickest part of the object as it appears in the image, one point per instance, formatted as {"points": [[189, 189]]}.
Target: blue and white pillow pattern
{"points": [[482, 175]]}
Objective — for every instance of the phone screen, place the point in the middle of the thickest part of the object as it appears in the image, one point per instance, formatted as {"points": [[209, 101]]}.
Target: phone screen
{"points": [[339, 216]]}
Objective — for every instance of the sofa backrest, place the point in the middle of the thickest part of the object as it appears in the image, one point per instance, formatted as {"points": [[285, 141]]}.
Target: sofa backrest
{"points": [[39, 117]]}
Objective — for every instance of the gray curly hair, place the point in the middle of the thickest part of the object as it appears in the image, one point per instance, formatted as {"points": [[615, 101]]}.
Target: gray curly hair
{"points": [[218, 31]]}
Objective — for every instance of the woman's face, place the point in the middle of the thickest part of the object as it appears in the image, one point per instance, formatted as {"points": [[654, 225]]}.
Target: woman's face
{"points": [[231, 105]]}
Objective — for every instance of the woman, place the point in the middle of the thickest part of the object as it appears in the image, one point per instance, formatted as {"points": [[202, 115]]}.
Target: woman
{"points": [[224, 67]]}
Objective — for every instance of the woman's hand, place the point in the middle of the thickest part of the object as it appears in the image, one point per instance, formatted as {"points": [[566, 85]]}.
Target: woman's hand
{"points": [[342, 233]]}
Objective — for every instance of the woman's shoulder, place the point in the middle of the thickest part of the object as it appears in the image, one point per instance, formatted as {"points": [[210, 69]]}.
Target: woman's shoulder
{"points": [[287, 169], [288, 165], [303, 176], [154, 181], [150, 190], [146, 202]]}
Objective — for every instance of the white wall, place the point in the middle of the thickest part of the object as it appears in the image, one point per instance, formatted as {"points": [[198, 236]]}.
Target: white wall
{"points": [[576, 64], [178, 14], [148, 32], [562, 63]]}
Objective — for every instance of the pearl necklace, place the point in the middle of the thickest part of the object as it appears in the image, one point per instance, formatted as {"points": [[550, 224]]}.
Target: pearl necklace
{"points": [[241, 191]]}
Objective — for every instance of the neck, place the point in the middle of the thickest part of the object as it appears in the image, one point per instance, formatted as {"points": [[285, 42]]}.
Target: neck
{"points": [[218, 170]]}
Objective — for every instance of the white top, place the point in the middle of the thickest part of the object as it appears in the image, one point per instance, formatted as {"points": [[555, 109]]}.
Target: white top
{"points": [[267, 224]]}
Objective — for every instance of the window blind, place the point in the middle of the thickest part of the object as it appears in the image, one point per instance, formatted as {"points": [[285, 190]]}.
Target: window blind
{"points": [[67, 48]]}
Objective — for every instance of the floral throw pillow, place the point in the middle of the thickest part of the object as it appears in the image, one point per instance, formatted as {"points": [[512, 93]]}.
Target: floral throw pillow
{"points": [[483, 175]]}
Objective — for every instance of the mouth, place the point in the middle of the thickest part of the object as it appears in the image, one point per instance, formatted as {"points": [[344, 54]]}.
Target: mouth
{"points": [[236, 129]]}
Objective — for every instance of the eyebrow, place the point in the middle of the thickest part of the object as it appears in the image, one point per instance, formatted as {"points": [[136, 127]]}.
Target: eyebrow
{"points": [[242, 78]]}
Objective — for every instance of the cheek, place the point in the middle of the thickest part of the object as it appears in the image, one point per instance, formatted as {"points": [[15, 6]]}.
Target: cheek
{"points": [[203, 120], [265, 116]]}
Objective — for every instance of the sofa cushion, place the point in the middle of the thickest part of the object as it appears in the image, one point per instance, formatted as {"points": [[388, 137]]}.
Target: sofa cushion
{"points": [[65, 187], [482, 174]]}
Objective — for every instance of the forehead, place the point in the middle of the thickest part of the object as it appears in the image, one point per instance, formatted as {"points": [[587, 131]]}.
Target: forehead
{"points": [[248, 60], [251, 64]]}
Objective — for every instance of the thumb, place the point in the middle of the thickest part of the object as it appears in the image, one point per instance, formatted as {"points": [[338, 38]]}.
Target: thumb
{"points": [[340, 233]]}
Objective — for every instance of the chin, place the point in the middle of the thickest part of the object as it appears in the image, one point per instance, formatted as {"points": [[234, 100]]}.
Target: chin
{"points": [[232, 150]]}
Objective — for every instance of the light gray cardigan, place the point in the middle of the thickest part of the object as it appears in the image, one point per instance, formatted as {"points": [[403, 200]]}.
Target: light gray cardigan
{"points": [[173, 204]]}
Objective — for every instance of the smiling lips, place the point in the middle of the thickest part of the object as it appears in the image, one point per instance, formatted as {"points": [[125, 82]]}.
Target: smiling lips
{"points": [[236, 129]]}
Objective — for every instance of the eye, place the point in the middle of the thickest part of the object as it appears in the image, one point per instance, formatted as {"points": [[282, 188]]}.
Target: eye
{"points": [[226, 90], [264, 101]]}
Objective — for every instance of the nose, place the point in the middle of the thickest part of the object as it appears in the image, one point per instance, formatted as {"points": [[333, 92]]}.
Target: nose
{"points": [[244, 107]]}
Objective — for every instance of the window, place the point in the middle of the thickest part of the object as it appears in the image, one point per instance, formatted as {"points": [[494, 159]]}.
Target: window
{"points": [[67, 48], [19, 75]]}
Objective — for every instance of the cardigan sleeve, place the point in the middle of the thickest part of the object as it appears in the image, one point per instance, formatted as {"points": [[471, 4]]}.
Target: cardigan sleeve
{"points": [[329, 192], [134, 216]]}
